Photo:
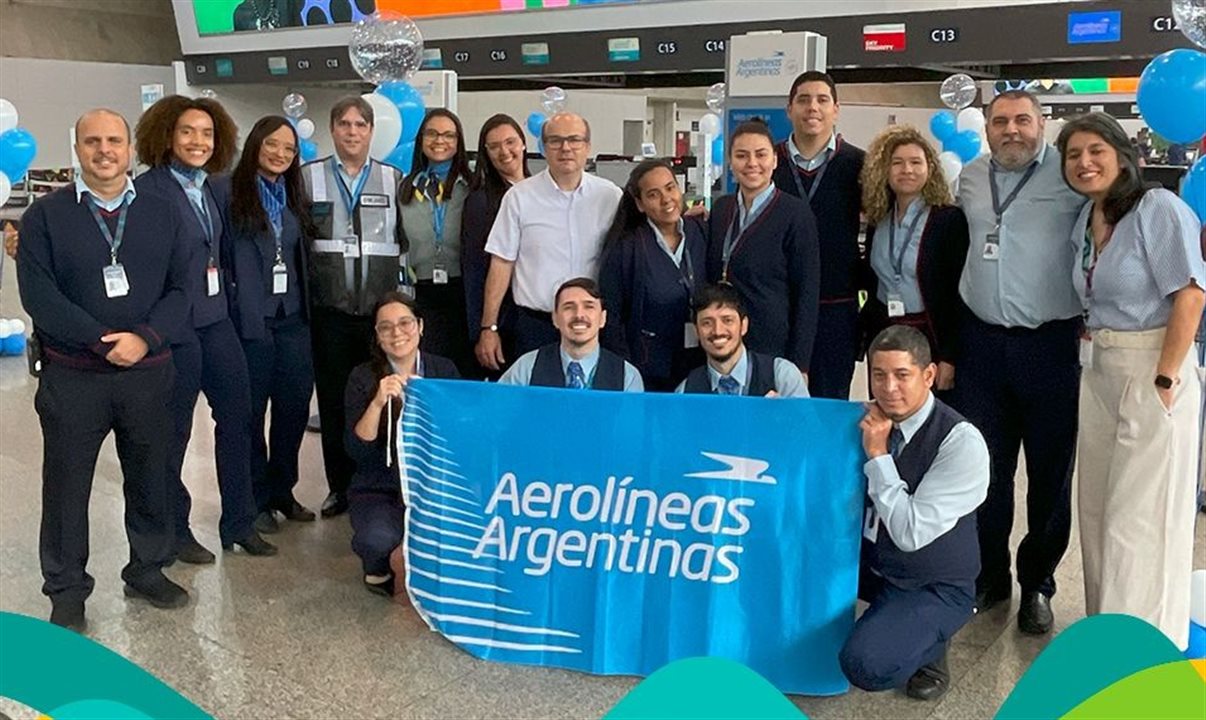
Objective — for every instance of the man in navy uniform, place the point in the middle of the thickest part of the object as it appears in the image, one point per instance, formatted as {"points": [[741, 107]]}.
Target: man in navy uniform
{"points": [[927, 472], [576, 361], [103, 279], [732, 369]]}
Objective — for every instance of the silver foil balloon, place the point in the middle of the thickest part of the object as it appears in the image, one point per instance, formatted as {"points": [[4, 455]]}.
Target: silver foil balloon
{"points": [[552, 100], [958, 91], [208, 94], [1191, 18], [716, 97], [294, 105], [386, 46]]}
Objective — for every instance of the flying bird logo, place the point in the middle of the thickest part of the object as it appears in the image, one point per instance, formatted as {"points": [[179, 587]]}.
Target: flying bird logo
{"points": [[741, 469]]}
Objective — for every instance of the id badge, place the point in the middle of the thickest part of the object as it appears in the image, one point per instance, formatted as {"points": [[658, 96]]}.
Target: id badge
{"points": [[439, 275], [992, 247], [690, 336], [351, 247], [896, 306], [213, 281], [280, 279], [871, 524], [116, 284], [1086, 353]]}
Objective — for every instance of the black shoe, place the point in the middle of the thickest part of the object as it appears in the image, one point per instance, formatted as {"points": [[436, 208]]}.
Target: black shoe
{"points": [[931, 681], [384, 588], [1034, 616], [253, 544], [69, 614], [159, 591], [193, 553], [266, 523], [989, 597], [335, 504], [295, 511]]}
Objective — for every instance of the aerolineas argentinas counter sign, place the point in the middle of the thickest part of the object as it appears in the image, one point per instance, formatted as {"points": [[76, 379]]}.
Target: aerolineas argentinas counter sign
{"points": [[613, 533]]}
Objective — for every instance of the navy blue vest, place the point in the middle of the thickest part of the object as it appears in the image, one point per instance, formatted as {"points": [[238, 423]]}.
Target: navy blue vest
{"points": [[762, 377], [953, 557], [547, 372]]}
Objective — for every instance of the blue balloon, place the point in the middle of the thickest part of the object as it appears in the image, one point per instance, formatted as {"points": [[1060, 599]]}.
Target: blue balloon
{"points": [[17, 151], [402, 156], [943, 125], [965, 144], [536, 121], [1193, 189], [13, 345], [309, 150], [1197, 642], [718, 148], [409, 103], [1172, 95]]}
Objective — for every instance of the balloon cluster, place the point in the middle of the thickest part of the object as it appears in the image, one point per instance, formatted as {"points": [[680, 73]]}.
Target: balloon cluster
{"points": [[960, 128], [711, 124], [17, 149], [294, 105], [1172, 96], [386, 49], [12, 337], [553, 100]]}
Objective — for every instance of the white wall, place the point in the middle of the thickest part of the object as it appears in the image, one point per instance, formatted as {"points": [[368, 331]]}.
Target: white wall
{"points": [[606, 113], [51, 94]]}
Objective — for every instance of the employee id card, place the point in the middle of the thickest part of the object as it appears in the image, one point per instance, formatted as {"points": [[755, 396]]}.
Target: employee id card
{"points": [[992, 246], [351, 247], [116, 284], [1086, 352], [690, 336], [439, 274], [280, 279], [896, 306], [213, 281]]}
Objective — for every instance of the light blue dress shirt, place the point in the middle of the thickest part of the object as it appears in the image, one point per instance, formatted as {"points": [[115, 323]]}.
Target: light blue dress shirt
{"points": [[906, 286], [955, 484], [1026, 285], [677, 254], [815, 161], [788, 380], [521, 372], [81, 187], [744, 217]]}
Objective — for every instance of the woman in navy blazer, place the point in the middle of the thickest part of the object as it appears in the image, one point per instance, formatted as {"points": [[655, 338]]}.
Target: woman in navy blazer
{"points": [[184, 141], [654, 261], [267, 219], [916, 245]]}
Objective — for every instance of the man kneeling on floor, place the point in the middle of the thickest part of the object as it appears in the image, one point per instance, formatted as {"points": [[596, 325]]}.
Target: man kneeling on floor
{"points": [[927, 472]]}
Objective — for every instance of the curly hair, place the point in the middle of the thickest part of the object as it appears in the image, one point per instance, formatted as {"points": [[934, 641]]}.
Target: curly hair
{"points": [[157, 126], [877, 196]]}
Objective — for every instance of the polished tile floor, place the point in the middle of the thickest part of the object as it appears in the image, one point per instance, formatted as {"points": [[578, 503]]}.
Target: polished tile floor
{"points": [[296, 636]]}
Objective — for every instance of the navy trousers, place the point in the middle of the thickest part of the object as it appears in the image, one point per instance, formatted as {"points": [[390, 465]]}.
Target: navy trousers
{"points": [[281, 371], [340, 342], [1020, 387], [78, 409], [377, 527], [902, 631], [834, 351], [533, 330], [213, 364]]}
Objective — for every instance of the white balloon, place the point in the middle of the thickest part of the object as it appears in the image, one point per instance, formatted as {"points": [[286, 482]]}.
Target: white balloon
{"points": [[951, 166], [305, 128], [6, 328], [709, 124], [6, 188], [18, 326], [970, 119], [1197, 597], [387, 126], [8, 115]]}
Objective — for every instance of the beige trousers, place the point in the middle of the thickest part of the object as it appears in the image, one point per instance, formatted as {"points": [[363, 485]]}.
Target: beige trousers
{"points": [[1137, 481]]}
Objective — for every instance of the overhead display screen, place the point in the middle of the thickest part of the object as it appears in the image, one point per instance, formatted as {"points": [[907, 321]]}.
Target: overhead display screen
{"points": [[216, 17]]}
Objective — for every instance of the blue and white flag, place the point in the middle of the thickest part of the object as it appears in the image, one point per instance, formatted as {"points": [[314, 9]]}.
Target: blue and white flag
{"points": [[616, 532]]}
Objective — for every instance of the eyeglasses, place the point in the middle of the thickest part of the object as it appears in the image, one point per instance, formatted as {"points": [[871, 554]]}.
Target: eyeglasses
{"points": [[510, 144], [437, 135], [573, 142], [273, 145], [405, 325]]}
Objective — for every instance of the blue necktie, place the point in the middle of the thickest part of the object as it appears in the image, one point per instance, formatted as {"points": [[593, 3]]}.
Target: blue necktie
{"points": [[577, 378], [895, 441], [728, 385]]}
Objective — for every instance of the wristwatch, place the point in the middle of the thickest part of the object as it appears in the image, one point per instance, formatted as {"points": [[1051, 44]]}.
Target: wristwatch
{"points": [[1164, 382], [491, 328]]}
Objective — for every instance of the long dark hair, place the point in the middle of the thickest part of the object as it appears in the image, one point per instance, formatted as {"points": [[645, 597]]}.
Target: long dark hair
{"points": [[485, 175], [1128, 188], [380, 363], [246, 210], [628, 214], [460, 161]]}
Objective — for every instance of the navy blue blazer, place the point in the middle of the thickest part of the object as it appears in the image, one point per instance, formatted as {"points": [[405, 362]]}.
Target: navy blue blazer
{"points": [[248, 257], [646, 297]]}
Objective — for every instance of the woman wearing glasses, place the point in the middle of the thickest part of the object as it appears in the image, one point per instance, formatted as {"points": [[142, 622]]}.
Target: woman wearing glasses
{"points": [[501, 162], [373, 404], [268, 217], [431, 201]]}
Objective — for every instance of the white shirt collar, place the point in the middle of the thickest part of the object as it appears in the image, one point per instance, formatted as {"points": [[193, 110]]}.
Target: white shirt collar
{"points": [[740, 372], [797, 155], [81, 187]]}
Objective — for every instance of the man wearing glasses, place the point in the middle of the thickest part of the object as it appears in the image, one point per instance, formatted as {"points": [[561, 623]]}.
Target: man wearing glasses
{"points": [[355, 258], [550, 228]]}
